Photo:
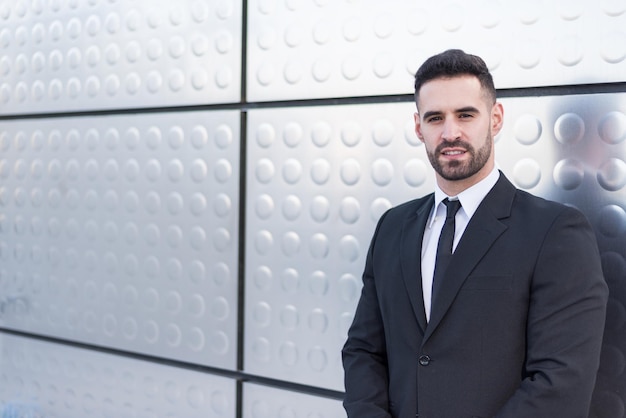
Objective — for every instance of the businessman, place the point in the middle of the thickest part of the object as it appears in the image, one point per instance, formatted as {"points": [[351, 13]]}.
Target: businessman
{"points": [[478, 300]]}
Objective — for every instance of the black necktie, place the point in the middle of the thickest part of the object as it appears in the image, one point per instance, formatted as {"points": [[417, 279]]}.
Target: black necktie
{"points": [[444, 248]]}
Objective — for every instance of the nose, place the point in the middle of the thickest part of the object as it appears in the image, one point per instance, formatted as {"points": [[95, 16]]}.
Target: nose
{"points": [[451, 130]]}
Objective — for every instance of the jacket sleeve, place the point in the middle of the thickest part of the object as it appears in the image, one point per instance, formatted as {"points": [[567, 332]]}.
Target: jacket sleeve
{"points": [[364, 353], [565, 324]]}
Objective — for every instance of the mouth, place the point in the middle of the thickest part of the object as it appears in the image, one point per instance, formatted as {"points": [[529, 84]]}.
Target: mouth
{"points": [[453, 152]]}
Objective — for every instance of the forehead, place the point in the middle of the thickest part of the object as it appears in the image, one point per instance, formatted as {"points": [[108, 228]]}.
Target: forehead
{"points": [[451, 92]]}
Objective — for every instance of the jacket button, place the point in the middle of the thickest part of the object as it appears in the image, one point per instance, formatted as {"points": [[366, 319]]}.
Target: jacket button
{"points": [[424, 360]]}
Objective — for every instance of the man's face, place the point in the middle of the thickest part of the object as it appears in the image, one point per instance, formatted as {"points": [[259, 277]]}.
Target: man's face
{"points": [[457, 123]]}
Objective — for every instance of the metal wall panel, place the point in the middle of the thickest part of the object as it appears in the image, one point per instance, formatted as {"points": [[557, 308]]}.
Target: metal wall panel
{"points": [[321, 48], [122, 231], [317, 180], [70, 55], [266, 402], [40, 379]]}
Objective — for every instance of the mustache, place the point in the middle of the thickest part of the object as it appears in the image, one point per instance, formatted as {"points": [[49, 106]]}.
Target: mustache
{"points": [[454, 144]]}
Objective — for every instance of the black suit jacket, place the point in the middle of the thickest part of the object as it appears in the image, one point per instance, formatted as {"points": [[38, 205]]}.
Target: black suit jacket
{"points": [[517, 327]]}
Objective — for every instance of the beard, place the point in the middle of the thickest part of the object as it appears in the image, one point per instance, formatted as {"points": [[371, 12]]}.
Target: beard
{"points": [[458, 170]]}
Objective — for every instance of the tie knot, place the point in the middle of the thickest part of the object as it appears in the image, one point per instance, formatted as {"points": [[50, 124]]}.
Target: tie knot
{"points": [[452, 207]]}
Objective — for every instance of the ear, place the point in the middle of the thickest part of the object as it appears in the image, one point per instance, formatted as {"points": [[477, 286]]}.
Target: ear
{"points": [[418, 126], [497, 118]]}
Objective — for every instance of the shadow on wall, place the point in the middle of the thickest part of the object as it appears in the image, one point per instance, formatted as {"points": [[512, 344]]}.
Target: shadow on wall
{"points": [[589, 172]]}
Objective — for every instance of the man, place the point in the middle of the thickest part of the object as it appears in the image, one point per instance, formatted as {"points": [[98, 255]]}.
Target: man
{"points": [[513, 326]]}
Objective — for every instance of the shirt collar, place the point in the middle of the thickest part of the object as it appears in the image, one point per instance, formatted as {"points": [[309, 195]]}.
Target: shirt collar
{"points": [[470, 198]]}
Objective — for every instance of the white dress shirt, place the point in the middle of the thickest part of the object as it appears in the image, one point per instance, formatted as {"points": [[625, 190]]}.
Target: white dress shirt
{"points": [[470, 199]]}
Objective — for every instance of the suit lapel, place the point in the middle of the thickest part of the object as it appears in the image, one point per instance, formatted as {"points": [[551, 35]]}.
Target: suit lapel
{"points": [[484, 228], [412, 234]]}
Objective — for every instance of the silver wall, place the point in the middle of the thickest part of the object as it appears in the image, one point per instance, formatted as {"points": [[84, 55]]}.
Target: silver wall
{"points": [[188, 188]]}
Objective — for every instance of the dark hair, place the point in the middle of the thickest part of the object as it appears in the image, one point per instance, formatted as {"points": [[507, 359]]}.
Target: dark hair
{"points": [[453, 63]]}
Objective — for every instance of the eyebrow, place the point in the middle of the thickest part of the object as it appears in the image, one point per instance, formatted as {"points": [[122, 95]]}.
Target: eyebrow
{"points": [[466, 109]]}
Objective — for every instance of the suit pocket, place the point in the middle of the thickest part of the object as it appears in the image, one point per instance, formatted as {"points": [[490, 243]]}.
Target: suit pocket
{"points": [[488, 283]]}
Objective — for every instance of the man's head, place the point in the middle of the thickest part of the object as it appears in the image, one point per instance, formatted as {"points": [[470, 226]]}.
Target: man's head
{"points": [[454, 63], [457, 118]]}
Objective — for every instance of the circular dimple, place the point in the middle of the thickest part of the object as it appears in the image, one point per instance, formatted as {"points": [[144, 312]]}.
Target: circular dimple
{"points": [[321, 70], [527, 129], [263, 242], [223, 170], [197, 238], [321, 134], [612, 128], [222, 205], [318, 283], [415, 172], [378, 207], [351, 29], [198, 204], [611, 47], [174, 236], [352, 67], [223, 77], [173, 335], [221, 239], [319, 246], [528, 53], [382, 172], [261, 350], [317, 359], [569, 174], [197, 272], [175, 170], [219, 309], [265, 74], [569, 128], [199, 137], [293, 36], [198, 171], [351, 134], [263, 278], [383, 65], [288, 355], [289, 317], [318, 321], [527, 173], [223, 136], [320, 171], [262, 314], [292, 206], [176, 137], [220, 274], [174, 267], [290, 244], [452, 18], [612, 221], [350, 210], [569, 50], [383, 133], [320, 208], [292, 171], [349, 248], [612, 174], [154, 81], [350, 172], [175, 203], [111, 170], [292, 134], [322, 32], [265, 135], [348, 288], [131, 170]]}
